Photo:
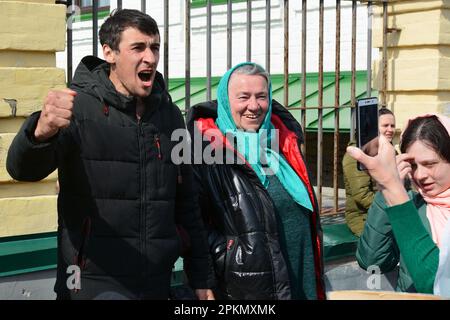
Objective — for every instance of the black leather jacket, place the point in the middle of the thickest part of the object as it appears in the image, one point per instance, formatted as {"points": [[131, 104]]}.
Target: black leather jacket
{"points": [[240, 216]]}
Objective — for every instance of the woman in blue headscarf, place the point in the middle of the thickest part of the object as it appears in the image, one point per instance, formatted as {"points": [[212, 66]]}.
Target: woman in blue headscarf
{"points": [[255, 193]]}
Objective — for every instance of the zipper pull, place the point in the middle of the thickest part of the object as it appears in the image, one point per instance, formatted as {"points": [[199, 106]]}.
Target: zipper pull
{"points": [[158, 145], [106, 109]]}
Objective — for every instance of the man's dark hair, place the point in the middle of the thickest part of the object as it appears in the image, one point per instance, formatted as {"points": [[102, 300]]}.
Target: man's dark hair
{"points": [[429, 131], [384, 111], [120, 19]]}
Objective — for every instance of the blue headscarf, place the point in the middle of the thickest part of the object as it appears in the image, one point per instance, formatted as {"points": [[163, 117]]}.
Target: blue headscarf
{"points": [[256, 146]]}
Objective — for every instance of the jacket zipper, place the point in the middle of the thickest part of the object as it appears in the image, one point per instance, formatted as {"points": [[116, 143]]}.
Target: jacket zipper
{"points": [[158, 146], [141, 139], [259, 185]]}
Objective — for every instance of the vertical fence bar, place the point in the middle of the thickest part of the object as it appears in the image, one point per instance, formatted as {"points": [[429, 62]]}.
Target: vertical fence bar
{"points": [[187, 55], [286, 53], [95, 28], [229, 33], [303, 97], [143, 6], [353, 67], [320, 108], [385, 31], [166, 43], [369, 48], [268, 36], [336, 105], [208, 50], [69, 44], [119, 4], [249, 30]]}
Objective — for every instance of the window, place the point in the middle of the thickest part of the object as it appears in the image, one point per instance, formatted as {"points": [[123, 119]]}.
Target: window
{"points": [[86, 9], [86, 5]]}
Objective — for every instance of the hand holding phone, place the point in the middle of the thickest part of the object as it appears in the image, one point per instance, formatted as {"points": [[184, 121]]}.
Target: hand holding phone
{"points": [[367, 127]]}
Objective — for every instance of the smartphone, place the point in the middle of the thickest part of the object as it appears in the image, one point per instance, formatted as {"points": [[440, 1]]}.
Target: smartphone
{"points": [[366, 125]]}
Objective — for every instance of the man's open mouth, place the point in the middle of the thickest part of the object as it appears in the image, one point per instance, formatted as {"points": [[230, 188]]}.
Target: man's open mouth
{"points": [[145, 76]]}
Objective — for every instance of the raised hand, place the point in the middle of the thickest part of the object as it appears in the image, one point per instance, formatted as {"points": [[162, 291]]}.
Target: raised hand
{"points": [[383, 168], [404, 165], [56, 114]]}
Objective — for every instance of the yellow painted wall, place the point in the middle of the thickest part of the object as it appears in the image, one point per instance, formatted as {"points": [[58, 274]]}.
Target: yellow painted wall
{"points": [[418, 57], [31, 31], [28, 86], [32, 26], [16, 58]]}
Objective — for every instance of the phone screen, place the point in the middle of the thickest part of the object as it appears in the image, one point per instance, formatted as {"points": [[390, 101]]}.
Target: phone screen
{"points": [[367, 126]]}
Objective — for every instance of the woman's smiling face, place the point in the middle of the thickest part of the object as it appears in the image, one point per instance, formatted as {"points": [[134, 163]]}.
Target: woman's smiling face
{"points": [[386, 126], [249, 100]]}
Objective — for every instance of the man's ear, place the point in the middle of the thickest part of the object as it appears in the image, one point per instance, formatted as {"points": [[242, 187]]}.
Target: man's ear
{"points": [[109, 54]]}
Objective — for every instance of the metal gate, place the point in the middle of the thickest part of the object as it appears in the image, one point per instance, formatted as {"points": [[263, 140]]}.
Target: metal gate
{"points": [[302, 107]]}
